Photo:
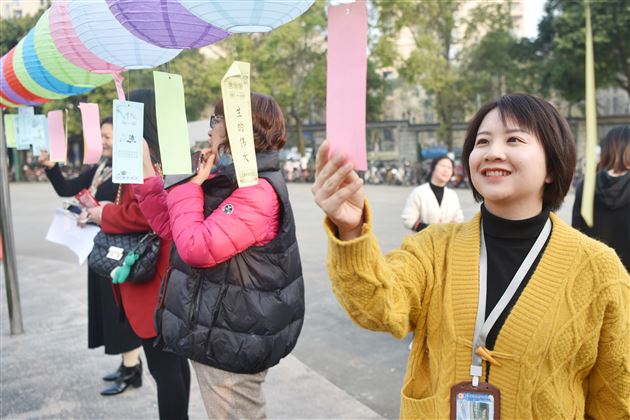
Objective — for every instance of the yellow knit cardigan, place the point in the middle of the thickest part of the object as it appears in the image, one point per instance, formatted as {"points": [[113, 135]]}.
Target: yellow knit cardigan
{"points": [[564, 349]]}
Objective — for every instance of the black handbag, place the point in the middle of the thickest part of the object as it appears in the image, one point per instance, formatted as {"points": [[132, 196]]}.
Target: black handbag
{"points": [[110, 253]]}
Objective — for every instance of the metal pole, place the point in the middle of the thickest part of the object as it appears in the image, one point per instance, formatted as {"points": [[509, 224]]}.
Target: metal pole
{"points": [[8, 243]]}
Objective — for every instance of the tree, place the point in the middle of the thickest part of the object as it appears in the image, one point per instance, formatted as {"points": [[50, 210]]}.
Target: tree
{"points": [[561, 42], [431, 26]]}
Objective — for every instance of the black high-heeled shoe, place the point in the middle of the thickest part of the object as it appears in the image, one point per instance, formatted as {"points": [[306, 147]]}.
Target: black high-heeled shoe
{"points": [[128, 376], [111, 377]]}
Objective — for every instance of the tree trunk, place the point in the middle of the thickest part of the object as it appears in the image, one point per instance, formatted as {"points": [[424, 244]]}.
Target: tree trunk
{"points": [[446, 120], [300, 132]]}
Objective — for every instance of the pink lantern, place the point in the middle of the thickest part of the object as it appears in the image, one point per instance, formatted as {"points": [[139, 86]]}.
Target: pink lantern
{"points": [[164, 23], [69, 44]]}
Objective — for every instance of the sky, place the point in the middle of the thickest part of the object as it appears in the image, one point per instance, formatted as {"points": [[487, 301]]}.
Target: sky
{"points": [[532, 13]]}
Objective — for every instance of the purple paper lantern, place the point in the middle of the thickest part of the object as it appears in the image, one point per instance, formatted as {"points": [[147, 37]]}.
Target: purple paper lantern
{"points": [[165, 23]]}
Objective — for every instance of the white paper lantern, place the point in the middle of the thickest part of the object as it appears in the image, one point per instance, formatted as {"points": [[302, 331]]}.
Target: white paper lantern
{"points": [[247, 15], [105, 37]]}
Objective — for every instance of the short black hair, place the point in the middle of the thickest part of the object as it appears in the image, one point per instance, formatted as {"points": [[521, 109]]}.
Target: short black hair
{"points": [[434, 163], [543, 120], [107, 120], [615, 150]]}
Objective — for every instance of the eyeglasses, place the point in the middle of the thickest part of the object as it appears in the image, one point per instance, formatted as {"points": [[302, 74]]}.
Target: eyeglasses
{"points": [[215, 119]]}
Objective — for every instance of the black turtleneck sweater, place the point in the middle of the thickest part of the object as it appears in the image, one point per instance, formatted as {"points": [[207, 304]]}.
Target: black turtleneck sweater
{"points": [[507, 243], [438, 192]]}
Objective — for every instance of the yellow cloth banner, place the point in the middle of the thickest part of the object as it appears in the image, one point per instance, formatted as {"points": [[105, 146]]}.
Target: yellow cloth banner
{"points": [[235, 89], [588, 192]]}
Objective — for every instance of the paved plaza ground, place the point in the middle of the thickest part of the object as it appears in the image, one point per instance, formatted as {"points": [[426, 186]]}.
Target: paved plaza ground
{"points": [[337, 370]]}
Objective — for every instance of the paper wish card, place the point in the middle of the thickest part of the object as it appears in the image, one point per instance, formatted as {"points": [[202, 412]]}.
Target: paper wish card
{"points": [[39, 136], [347, 81], [238, 120], [23, 126], [127, 151]]}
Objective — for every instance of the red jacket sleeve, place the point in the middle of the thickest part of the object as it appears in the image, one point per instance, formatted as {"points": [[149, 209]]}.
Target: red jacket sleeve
{"points": [[248, 217], [126, 217], [152, 199]]}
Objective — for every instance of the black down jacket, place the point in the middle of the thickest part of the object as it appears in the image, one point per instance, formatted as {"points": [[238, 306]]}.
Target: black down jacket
{"points": [[244, 314]]}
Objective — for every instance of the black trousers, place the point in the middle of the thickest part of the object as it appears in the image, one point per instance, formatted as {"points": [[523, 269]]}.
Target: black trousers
{"points": [[172, 376]]}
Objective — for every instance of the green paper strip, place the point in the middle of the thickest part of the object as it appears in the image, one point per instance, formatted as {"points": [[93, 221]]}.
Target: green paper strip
{"points": [[172, 126], [20, 72], [57, 65], [9, 129]]}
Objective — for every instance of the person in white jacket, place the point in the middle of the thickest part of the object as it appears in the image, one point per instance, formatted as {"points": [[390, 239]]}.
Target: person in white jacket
{"points": [[433, 202]]}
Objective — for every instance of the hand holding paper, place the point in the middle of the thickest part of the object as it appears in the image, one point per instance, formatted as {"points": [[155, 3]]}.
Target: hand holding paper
{"points": [[338, 190]]}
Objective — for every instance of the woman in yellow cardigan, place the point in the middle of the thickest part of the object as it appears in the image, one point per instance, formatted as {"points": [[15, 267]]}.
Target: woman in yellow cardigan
{"points": [[514, 312]]}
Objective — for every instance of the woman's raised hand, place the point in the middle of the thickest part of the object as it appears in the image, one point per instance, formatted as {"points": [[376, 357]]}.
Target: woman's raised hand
{"points": [[44, 159], [338, 190]]}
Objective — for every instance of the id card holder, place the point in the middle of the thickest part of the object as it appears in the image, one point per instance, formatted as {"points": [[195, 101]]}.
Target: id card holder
{"points": [[482, 402]]}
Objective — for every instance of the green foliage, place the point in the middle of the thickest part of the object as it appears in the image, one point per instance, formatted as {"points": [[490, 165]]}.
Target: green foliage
{"points": [[561, 44], [430, 24], [13, 30]]}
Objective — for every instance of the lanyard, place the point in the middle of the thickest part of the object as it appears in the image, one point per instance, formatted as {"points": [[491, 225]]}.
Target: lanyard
{"points": [[482, 328]]}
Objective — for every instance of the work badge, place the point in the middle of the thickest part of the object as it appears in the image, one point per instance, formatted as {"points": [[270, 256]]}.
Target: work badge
{"points": [[468, 402]]}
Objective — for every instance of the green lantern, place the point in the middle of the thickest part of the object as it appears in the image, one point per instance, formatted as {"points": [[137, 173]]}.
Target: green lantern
{"points": [[20, 72], [57, 65]]}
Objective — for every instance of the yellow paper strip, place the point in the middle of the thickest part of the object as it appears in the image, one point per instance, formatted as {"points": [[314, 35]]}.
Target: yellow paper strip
{"points": [[238, 121], [588, 193]]}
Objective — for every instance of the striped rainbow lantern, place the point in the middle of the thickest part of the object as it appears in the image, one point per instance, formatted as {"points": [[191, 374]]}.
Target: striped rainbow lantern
{"points": [[15, 83], [7, 93], [40, 75], [165, 23], [247, 15]]}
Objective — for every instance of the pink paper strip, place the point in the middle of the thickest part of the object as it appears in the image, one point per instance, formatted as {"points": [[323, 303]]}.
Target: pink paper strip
{"points": [[347, 81], [118, 79], [92, 142], [57, 135]]}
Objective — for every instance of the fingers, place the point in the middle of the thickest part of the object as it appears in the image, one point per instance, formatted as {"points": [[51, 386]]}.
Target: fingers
{"points": [[331, 174], [335, 200], [322, 157]]}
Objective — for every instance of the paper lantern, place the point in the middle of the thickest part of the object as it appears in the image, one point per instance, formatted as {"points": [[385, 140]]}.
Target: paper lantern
{"points": [[7, 93], [102, 34], [57, 65], [164, 23], [40, 75], [6, 103], [247, 15], [19, 68], [70, 46], [15, 83]]}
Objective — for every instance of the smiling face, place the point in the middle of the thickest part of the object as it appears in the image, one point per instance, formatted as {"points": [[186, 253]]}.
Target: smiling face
{"points": [[508, 168], [107, 134]]}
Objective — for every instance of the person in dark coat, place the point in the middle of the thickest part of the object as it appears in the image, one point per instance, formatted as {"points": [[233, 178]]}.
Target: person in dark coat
{"points": [[107, 326], [139, 300], [611, 212]]}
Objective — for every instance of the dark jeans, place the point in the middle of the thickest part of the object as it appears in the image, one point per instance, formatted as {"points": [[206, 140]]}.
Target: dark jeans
{"points": [[172, 376]]}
